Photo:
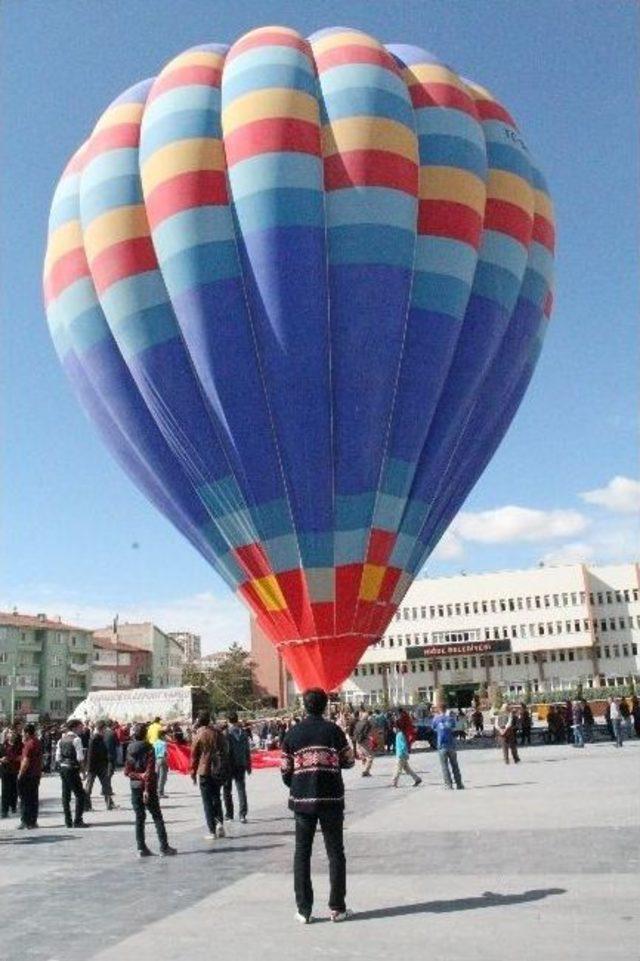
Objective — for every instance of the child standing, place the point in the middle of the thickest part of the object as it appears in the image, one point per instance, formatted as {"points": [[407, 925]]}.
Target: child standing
{"points": [[402, 760]]}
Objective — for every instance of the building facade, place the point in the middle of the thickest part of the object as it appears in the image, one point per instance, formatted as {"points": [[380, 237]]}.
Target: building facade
{"points": [[120, 666], [45, 665], [167, 653], [543, 630], [191, 645]]}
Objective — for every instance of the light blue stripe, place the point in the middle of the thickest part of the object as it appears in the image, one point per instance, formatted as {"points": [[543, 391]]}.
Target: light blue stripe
{"points": [[203, 264], [396, 476], [371, 244], [354, 102], [272, 170], [370, 205], [541, 260], [449, 123], [316, 548], [265, 56], [64, 211], [144, 329], [191, 228], [503, 251], [115, 163], [440, 293], [273, 518], [88, 329], [282, 207], [220, 496], [133, 293], [76, 299], [117, 192], [402, 550], [534, 287], [442, 255], [282, 552], [354, 510], [66, 187], [388, 512], [359, 75], [445, 151], [350, 546], [190, 97], [183, 125], [268, 75]]}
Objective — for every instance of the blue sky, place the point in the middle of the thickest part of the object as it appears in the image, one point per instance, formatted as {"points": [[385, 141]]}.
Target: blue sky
{"points": [[568, 71]]}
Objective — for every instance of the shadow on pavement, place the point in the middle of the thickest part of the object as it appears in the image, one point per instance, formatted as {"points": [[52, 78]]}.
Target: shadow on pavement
{"points": [[479, 787], [219, 849], [487, 900], [38, 839]]}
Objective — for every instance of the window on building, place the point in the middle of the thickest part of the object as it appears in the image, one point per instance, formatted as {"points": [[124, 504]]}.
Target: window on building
{"points": [[553, 655], [496, 633], [489, 660], [405, 613], [503, 604], [583, 597], [449, 610], [520, 604], [625, 650], [565, 600], [447, 665], [541, 629], [400, 642], [476, 609], [538, 600], [626, 596], [634, 650], [528, 602], [525, 658], [612, 623], [440, 610], [423, 612], [618, 597], [493, 607], [391, 642], [467, 609], [607, 652], [574, 599], [432, 612], [458, 609], [514, 630]]}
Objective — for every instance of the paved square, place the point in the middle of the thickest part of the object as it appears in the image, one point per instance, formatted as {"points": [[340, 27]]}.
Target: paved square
{"points": [[535, 861]]}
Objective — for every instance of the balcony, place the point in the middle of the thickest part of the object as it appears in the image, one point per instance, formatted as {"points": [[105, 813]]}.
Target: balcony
{"points": [[24, 686], [30, 645], [80, 667]]}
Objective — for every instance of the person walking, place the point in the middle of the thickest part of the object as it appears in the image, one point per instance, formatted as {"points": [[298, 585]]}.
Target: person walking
{"points": [[444, 724], [625, 714], [478, 721], [10, 757], [70, 758], [314, 753], [29, 774], [140, 768], [362, 733], [616, 720], [577, 724], [239, 768], [506, 732], [635, 714], [524, 725], [587, 720], [97, 766], [402, 750], [207, 768], [111, 743]]}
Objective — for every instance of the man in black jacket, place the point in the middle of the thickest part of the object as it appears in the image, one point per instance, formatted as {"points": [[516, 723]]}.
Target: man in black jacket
{"points": [[97, 766], [140, 768], [239, 767], [70, 758], [314, 752]]}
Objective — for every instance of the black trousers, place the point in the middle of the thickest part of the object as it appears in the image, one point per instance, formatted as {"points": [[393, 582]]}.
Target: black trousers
{"points": [[331, 823], [28, 788], [105, 783], [9, 792], [239, 778], [72, 784], [210, 794], [153, 807]]}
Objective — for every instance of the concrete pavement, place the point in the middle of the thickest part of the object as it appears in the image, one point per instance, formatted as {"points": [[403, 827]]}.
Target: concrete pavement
{"points": [[539, 860]]}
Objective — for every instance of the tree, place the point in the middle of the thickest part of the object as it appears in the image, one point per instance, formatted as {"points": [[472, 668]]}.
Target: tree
{"points": [[229, 682]]}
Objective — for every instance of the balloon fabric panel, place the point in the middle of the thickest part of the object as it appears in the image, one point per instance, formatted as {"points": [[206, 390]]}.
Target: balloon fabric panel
{"points": [[300, 286]]}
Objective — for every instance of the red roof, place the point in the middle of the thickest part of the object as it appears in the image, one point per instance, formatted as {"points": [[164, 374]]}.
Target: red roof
{"points": [[106, 645], [32, 620]]}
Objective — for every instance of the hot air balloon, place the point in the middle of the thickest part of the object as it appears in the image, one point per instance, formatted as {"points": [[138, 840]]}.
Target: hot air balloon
{"points": [[300, 287]]}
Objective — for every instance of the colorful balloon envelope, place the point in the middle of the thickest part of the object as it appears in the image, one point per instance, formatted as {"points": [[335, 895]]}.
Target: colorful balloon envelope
{"points": [[300, 286]]}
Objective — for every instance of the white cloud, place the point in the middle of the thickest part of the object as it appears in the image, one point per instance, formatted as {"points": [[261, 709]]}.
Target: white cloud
{"points": [[577, 552], [512, 523], [449, 547], [219, 620], [621, 495]]}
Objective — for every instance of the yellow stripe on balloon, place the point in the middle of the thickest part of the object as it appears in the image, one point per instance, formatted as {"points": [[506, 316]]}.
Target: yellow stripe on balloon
{"points": [[344, 39], [123, 113], [371, 582], [273, 102], [449, 183], [432, 73], [510, 188], [269, 592], [124, 223], [543, 205], [197, 153], [369, 133], [197, 58], [61, 241]]}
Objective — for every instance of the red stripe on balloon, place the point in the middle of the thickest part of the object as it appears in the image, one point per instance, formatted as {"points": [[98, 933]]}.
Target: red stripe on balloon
{"points": [[271, 38], [253, 560], [372, 168], [508, 219], [122, 260], [194, 75], [294, 588], [66, 270], [446, 218], [490, 110], [112, 138], [351, 53], [323, 617], [548, 304], [380, 546], [348, 580], [544, 232], [441, 95], [272, 134], [194, 189]]}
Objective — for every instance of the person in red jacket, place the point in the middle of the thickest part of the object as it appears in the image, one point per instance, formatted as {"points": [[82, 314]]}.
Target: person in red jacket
{"points": [[29, 776], [140, 768]]}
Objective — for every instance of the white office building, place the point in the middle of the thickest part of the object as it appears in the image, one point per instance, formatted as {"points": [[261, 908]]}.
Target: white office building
{"points": [[543, 630]]}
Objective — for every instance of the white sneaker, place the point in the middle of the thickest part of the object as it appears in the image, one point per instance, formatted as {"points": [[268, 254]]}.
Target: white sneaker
{"points": [[337, 916], [243, 820], [303, 918], [209, 837], [220, 831]]}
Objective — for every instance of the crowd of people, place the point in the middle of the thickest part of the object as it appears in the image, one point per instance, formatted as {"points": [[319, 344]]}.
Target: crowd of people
{"points": [[313, 751]]}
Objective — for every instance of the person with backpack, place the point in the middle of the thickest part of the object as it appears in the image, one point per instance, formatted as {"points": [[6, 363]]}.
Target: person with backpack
{"points": [[97, 766], [239, 767], [208, 766], [362, 739], [140, 768], [70, 759]]}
